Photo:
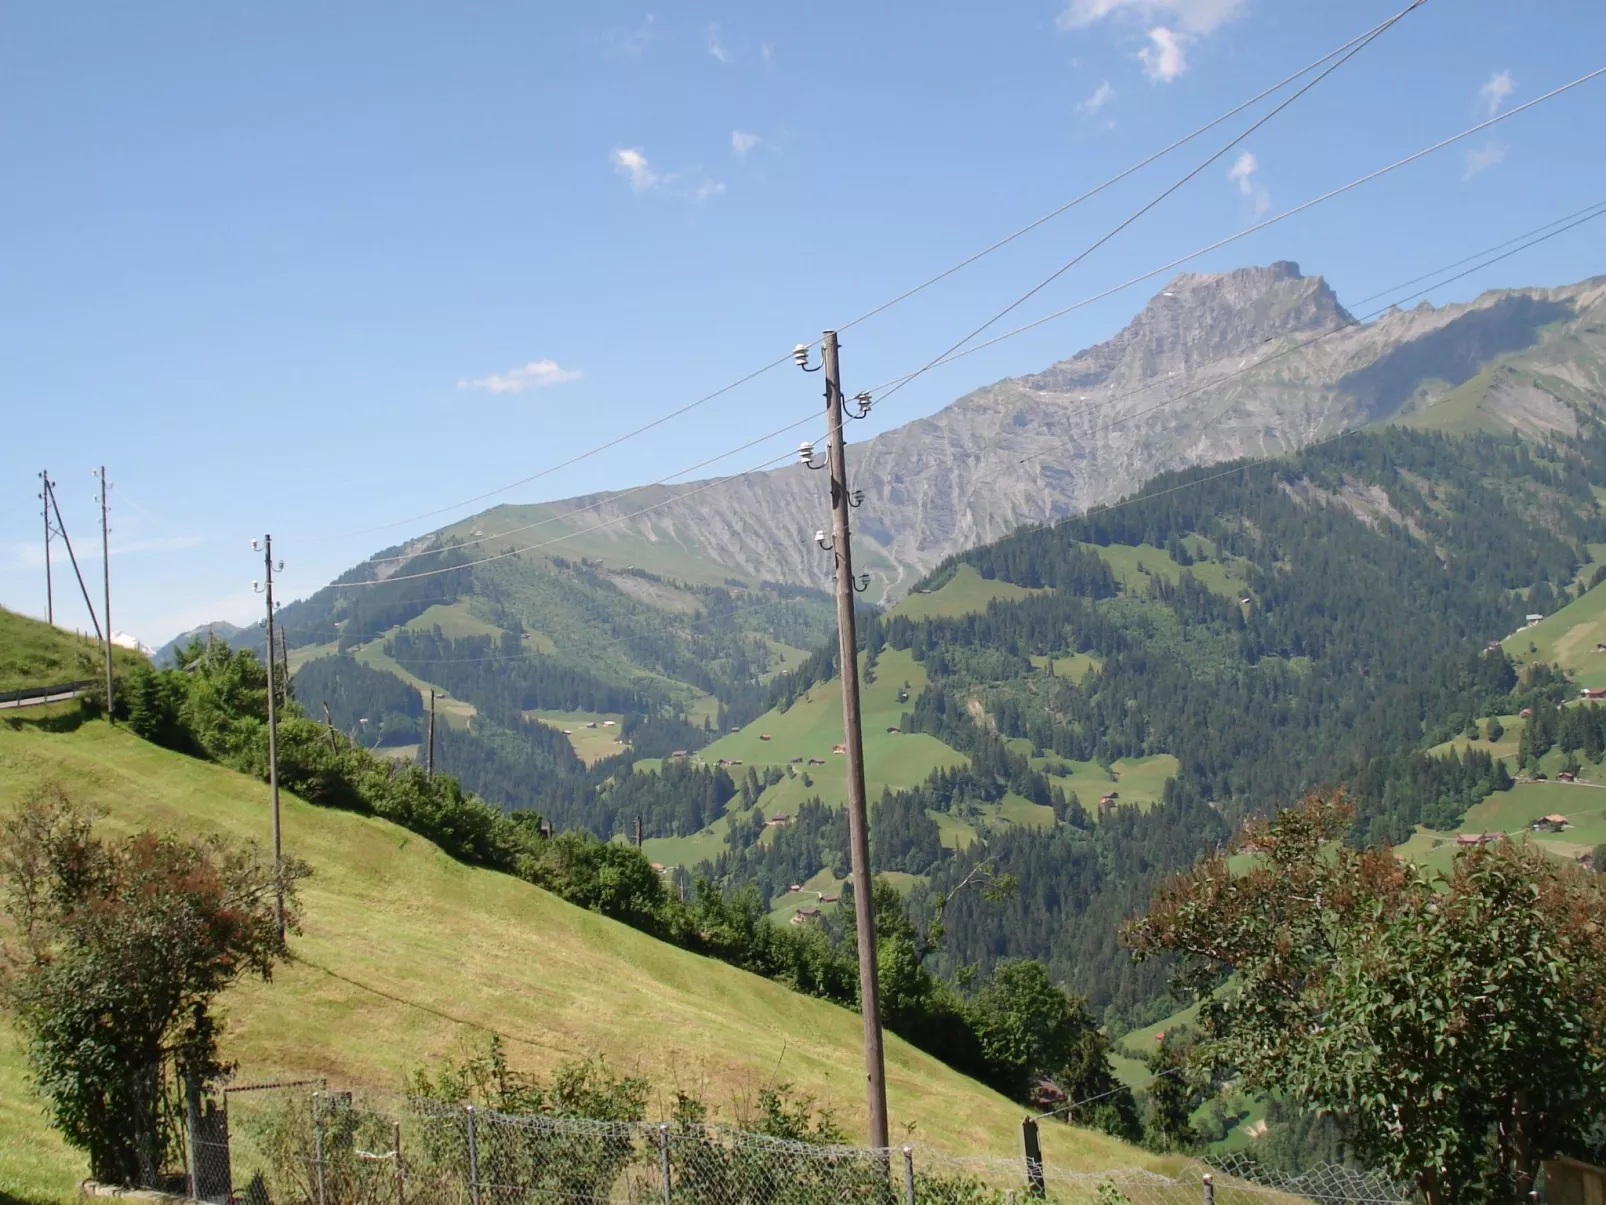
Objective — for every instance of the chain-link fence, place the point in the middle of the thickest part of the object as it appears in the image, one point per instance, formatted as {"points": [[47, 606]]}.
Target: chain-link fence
{"points": [[288, 1145]]}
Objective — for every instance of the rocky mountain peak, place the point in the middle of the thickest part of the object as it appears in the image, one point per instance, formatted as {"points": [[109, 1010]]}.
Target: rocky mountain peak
{"points": [[1199, 318]]}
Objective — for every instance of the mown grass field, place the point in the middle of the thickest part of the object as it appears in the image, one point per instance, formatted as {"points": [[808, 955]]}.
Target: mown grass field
{"points": [[964, 593], [813, 724], [590, 745], [1139, 781], [1134, 565], [418, 939], [1513, 813], [1073, 668], [1567, 638], [34, 654]]}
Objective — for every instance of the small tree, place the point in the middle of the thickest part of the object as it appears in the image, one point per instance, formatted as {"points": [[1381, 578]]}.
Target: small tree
{"points": [[121, 950], [1457, 1022], [1031, 1028]]}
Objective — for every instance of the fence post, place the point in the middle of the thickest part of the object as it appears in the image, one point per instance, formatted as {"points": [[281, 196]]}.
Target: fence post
{"points": [[395, 1147], [663, 1157], [317, 1142], [473, 1158], [1034, 1157], [908, 1175], [1209, 1189]]}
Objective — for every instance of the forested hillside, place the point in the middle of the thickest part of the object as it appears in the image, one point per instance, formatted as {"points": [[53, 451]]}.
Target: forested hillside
{"points": [[1075, 710], [1321, 620]]}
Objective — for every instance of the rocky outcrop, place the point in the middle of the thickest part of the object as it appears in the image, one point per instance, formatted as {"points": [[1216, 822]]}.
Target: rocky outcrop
{"points": [[1245, 363]]}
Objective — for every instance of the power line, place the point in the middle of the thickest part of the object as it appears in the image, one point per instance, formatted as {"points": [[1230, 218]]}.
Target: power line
{"points": [[1356, 48], [611, 498], [717, 481], [424, 1008], [910, 292], [1113, 180], [948, 358], [1598, 210], [776, 460], [1573, 220]]}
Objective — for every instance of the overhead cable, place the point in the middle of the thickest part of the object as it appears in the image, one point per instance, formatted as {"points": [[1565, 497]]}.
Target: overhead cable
{"points": [[907, 293], [882, 391], [1364, 41]]}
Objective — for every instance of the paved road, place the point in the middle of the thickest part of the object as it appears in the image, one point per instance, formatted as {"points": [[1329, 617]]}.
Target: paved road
{"points": [[59, 695]]}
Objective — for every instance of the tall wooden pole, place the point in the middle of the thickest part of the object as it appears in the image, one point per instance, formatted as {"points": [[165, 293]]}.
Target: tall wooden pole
{"points": [[432, 732], [106, 575], [50, 593], [853, 737], [273, 745]]}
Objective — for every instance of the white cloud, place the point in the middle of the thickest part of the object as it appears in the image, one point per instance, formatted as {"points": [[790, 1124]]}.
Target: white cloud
{"points": [[766, 52], [742, 142], [1481, 158], [631, 43], [1102, 95], [534, 375], [708, 188], [1163, 58], [1496, 89], [1191, 16], [629, 161], [717, 47], [1242, 173]]}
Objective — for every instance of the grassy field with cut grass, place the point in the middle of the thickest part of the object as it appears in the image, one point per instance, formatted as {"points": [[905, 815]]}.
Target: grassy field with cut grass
{"points": [[417, 938], [963, 594], [590, 745], [1139, 781], [1134, 565], [34, 654], [1073, 668], [1513, 813], [1567, 638], [813, 725]]}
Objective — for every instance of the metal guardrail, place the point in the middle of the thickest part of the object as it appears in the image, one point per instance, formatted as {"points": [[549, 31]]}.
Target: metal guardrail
{"points": [[29, 696]]}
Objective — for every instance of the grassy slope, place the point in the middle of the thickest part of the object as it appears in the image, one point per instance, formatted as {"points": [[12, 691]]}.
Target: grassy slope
{"points": [[1568, 638], [813, 724], [966, 592], [388, 910], [1139, 781], [590, 745], [34, 654], [1134, 565]]}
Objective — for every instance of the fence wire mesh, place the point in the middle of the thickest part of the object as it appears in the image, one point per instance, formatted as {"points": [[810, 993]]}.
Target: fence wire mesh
{"points": [[328, 1148]]}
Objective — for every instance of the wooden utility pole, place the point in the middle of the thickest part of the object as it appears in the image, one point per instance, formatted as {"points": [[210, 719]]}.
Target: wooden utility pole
{"points": [[61, 529], [273, 744], [106, 575], [853, 737], [50, 597], [432, 732]]}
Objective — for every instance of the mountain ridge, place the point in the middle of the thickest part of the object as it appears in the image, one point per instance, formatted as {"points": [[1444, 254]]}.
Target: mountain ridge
{"points": [[1171, 390]]}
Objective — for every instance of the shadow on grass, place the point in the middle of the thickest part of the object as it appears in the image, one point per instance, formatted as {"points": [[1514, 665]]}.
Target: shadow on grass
{"points": [[11, 1198], [54, 717]]}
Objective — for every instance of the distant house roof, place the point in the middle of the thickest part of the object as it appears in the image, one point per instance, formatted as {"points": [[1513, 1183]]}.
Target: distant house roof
{"points": [[1534, 617], [1476, 838]]}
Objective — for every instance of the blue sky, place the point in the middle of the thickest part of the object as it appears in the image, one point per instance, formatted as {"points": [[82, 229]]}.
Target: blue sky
{"points": [[314, 269]]}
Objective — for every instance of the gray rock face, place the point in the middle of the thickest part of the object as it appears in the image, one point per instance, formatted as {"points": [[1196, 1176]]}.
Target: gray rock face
{"points": [[1252, 362]]}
